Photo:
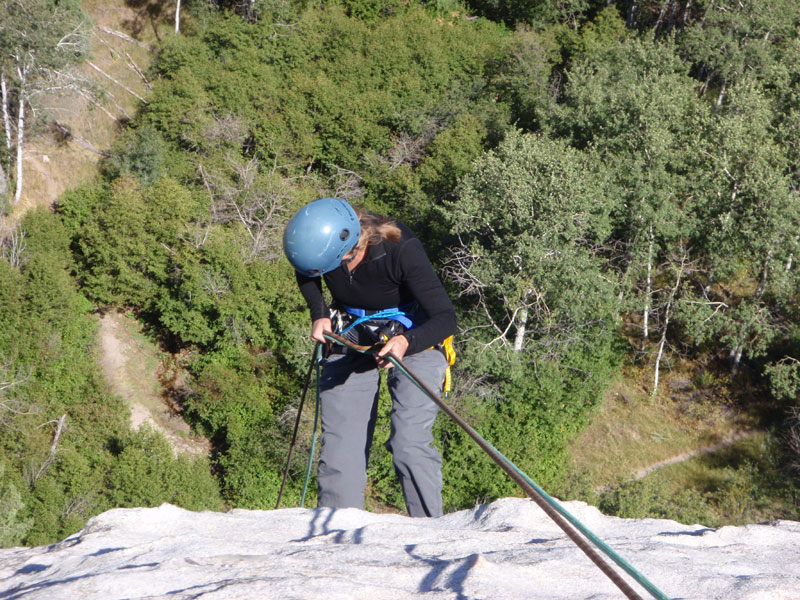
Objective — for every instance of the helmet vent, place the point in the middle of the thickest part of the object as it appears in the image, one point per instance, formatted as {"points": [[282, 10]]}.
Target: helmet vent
{"points": [[344, 234]]}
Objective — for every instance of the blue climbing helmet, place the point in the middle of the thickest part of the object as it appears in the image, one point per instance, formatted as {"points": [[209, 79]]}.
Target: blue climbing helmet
{"points": [[320, 234]]}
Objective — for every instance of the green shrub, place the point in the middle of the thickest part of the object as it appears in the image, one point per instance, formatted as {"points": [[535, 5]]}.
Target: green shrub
{"points": [[238, 398], [138, 153], [146, 472], [12, 526], [651, 498]]}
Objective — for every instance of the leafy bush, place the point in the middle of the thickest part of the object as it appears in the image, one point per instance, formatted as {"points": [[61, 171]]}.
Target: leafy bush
{"points": [[145, 472], [238, 400], [784, 378], [651, 498], [12, 528], [138, 153]]}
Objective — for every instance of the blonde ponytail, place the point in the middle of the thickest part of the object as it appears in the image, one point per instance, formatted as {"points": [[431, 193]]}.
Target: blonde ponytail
{"points": [[376, 228]]}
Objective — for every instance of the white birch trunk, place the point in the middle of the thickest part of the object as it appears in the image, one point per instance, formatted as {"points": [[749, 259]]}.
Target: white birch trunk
{"points": [[630, 21], [664, 6], [721, 95], [686, 12], [648, 291], [20, 139], [522, 322], [736, 358], [178, 18], [736, 352], [661, 344], [706, 292], [6, 117], [790, 260]]}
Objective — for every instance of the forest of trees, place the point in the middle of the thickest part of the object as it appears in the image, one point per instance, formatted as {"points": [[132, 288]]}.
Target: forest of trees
{"points": [[597, 182]]}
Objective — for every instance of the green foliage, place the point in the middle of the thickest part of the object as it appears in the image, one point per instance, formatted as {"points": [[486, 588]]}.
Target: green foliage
{"points": [[5, 192], [138, 153], [146, 472], [369, 10], [56, 479], [12, 528], [651, 498], [333, 87], [740, 39], [527, 218], [238, 402], [784, 378], [124, 236], [536, 12], [524, 73], [749, 213], [57, 39]]}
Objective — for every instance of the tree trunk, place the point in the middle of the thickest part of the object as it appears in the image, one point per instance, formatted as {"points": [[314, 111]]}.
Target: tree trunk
{"points": [[6, 117], [519, 338], [790, 260], [686, 10], [20, 139], [736, 351], [648, 291], [721, 95], [706, 292], [735, 356], [664, 6], [53, 449], [667, 311], [630, 21], [178, 18]]}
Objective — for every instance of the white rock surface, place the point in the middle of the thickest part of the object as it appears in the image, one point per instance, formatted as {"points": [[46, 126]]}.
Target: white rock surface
{"points": [[505, 550]]}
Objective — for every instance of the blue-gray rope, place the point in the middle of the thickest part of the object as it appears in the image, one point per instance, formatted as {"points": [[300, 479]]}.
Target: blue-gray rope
{"points": [[317, 359], [567, 522]]}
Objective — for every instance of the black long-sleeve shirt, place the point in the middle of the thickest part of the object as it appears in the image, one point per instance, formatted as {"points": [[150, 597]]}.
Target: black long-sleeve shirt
{"points": [[392, 274]]}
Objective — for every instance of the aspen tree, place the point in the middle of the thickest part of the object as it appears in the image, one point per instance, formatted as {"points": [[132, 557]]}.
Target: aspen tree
{"points": [[39, 41]]}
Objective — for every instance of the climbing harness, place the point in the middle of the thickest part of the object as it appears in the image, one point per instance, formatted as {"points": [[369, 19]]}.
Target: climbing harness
{"points": [[569, 524], [401, 314], [380, 325]]}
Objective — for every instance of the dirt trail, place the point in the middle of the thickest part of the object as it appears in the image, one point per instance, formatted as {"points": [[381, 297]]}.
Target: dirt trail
{"points": [[738, 436], [132, 368]]}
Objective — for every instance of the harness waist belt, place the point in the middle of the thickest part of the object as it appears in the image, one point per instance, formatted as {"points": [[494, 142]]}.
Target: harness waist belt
{"points": [[401, 314]]}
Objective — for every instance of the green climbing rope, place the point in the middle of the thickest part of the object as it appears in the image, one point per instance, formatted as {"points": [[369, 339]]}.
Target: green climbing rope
{"points": [[317, 359]]}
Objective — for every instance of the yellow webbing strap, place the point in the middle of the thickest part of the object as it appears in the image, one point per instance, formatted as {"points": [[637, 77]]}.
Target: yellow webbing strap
{"points": [[450, 355]]}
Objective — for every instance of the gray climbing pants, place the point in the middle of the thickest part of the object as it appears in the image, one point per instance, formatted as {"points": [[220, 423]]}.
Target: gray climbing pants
{"points": [[348, 408]]}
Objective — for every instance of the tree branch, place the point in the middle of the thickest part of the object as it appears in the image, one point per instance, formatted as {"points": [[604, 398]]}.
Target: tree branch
{"points": [[53, 448], [119, 83]]}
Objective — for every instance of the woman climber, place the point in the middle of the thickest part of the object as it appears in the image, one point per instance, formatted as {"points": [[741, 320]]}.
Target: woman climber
{"points": [[384, 290]]}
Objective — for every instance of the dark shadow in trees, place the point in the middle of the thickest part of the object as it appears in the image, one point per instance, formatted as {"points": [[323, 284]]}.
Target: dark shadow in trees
{"points": [[148, 12]]}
